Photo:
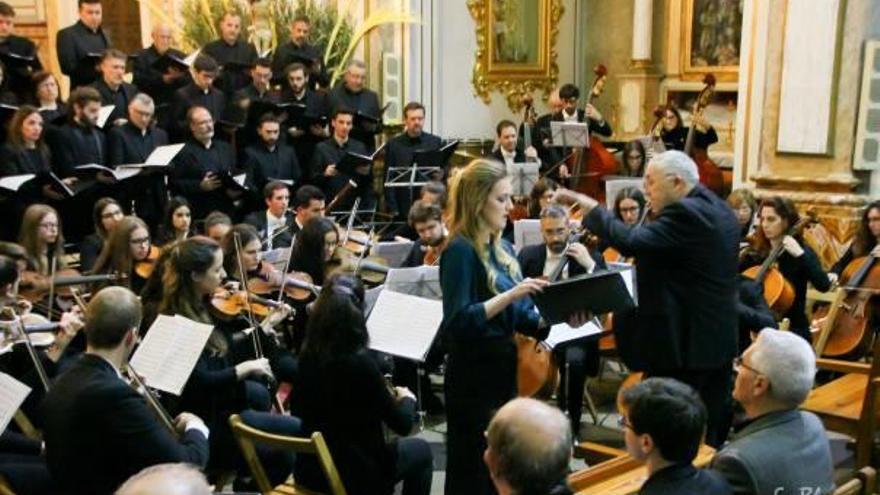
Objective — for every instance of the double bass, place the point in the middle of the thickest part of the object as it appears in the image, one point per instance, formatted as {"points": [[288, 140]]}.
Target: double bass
{"points": [[710, 173], [591, 164]]}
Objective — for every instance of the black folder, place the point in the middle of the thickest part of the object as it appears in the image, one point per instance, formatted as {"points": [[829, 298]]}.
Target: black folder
{"points": [[599, 292], [435, 158], [170, 60], [13, 60], [350, 161]]}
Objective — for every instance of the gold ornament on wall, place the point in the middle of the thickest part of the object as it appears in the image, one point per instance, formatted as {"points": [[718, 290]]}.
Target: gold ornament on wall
{"points": [[516, 47]]}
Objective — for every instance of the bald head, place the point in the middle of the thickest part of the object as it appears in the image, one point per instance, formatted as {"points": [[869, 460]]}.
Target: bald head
{"points": [[166, 479], [162, 38], [529, 446], [111, 314]]}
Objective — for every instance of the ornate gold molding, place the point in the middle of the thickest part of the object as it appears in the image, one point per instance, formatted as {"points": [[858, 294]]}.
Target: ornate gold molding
{"points": [[515, 79]]}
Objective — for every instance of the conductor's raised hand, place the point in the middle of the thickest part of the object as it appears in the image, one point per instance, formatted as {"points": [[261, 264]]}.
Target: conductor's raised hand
{"points": [[569, 197]]}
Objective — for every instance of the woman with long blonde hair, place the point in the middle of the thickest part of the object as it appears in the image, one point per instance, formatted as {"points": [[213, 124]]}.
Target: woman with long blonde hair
{"points": [[485, 299]]}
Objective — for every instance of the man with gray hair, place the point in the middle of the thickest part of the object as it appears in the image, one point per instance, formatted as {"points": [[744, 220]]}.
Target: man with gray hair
{"points": [[353, 94], [132, 143], [780, 449], [686, 264], [529, 448], [167, 479]]}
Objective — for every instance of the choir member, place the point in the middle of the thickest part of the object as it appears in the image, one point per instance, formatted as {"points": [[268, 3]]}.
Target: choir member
{"points": [[314, 247], [47, 97], [308, 203], [508, 152], [160, 85], [298, 50], [42, 239], [132, 143], [200, 92], [427, 220], [198, 170], [270, 158], [577, 358], [273, 223], [569, 94], [304, 136], [15, 52], [216, 225], [92, 417], [866, 241], [177, 222], [399, 153], [128, 245], [78, 45], [674, 133], [7, 97], [798, 262], [259, 89], [232, 53], [112, 87], [746, 208], [328, 154], [79, 141], [353, 94], [337, 375], [634, 159], [106, 215], [25, 152]]}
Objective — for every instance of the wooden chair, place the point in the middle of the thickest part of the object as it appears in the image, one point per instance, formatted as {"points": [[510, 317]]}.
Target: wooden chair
{"points": [[248, 438], [851, 487], [5, 489], [863, 483], [849, 404]]}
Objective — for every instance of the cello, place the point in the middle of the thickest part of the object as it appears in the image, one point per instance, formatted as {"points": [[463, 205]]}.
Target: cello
{"points": [[850, 329], [710, 173], [591, 164]]}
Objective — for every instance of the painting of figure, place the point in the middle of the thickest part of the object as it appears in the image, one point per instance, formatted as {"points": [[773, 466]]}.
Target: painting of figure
{"points": [[713, 32], [516, 31]]}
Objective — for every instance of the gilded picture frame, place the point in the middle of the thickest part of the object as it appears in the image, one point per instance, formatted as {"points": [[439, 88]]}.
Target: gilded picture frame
{"points": [[516, 47], [711, 35]]}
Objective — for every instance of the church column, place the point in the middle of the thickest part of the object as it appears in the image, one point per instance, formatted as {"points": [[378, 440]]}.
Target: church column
{"points": [[639, 87]]}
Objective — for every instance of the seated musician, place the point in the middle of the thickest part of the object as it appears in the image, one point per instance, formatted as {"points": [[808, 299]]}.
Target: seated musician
{"points": [[779, 449], [529, 448], [269, 158], [541, 195], [798, 262], [314, 247], [663, 422], [228, 378], [427, 220], [200, 92], [111, 86], [106, 214], [128, 245], [216, 225], [577, 358], [308, 203], [434, 192], [328, 154], [273, 223], [508, 152], [92, 417], [196, 172], [746, 208], [42, 239], [339, 375], [629, 205], [177, 222], [866, 241], [634, 159], [674, 133]]}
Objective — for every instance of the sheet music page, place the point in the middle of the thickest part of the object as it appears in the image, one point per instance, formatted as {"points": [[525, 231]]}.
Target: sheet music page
{"points": [[526, 232], [192, 57], [523, 176], [628, 274], [169, 352], [394, 252], [404, 325], [104, 114], [239, 179], [370, 298], [421, 281], [14, 182], [12, 395], [125, 173], [162, 155], [563, 332], [569, 134]]}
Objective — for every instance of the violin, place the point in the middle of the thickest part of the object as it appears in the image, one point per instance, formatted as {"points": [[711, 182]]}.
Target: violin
{"points": [[710, 174], [35, 286], [144, 268], [432, 253], [297, 285], [371, 269], [231, 304]]}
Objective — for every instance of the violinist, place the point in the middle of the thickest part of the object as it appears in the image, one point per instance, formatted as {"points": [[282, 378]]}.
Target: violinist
{"points": [[216, 225], [634, 159], [746, 208], [248, 256], [866, 241], [541, 195], [274, 223], [798, 262], [569, 94], [129, 244], [674, 133], [227, 378], [426, 219], [314, 247], [42, 239], [177, 222], [106, 214], [508, 153], [578, 358], [629, 205]]}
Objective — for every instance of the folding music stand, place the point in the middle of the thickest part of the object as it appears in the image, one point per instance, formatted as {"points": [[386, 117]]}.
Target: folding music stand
{"points": [[569, 134], [523, 176]]}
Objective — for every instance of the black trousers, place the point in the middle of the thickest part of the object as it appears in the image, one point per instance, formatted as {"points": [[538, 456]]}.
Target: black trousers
{"points": [[415, 466], [715, 387], [577, 359]]}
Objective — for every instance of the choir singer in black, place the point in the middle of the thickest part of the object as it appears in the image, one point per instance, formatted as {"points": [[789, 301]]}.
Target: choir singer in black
{"points": [[78, 44], [18, 54], [330, 152], [270, 158], [364, 102], [111, 86], [298, 50], [685, 325], [232, 53], [308, 130], [160, 84], [399, 153]]}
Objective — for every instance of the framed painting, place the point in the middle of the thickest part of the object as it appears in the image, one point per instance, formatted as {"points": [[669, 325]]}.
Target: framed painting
{"points": [[711, 35]]}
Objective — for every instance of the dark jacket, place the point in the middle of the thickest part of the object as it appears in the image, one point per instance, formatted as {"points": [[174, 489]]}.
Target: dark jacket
{"points": [[73, 44], [258, 220], [119, 98], [685, 479], [189, 168]]}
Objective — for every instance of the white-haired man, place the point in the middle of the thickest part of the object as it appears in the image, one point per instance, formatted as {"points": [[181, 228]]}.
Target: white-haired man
{"points": [[167, 479], [686, 321], [780, 449], [529, 448]]}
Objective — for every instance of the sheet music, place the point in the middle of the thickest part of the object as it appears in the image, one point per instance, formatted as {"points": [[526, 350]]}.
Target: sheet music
{"points": [[526, 232], [404, 325], [563, 332], [14, 182], [162, 155], [169, 352], [12, 395], [613, 185], [420, 281], [569, 134], [628, 274], [394, 252], [191, 58], [523, 176], [370, 297], [104, 114], [239, 179]]}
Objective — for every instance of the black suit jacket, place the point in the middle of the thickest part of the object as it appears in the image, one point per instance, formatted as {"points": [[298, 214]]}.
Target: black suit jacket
{"points": [[72, 45], [258, 220], [681, 479], [99, 431], [687, 279], [119, 99], [189, 96], [73, 145], [532, 258]]}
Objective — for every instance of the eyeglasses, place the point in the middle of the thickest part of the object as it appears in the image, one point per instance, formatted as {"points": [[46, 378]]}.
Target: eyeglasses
{"points": [[49, 226], [139, 241], [623, 423], [112, 214], [629, 209], [739, 363]]}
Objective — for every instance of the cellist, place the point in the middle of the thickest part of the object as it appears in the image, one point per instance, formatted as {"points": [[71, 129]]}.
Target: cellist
{"points": [[569, 94], [866, 241], [674, 133]]}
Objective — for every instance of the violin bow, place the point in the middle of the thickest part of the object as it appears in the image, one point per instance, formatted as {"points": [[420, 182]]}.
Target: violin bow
{"points": [[258, 346]]}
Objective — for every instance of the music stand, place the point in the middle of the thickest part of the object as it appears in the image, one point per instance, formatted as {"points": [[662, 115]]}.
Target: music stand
{"points": [[569, 134], [523, 176]]}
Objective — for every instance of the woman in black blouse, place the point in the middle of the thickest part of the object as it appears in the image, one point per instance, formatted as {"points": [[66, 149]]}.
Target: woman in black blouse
{"points": [[47, 97], [106, 214], [798, 263], [314, 247], [177, 222], [674, 133], [126, 246], [866, 241]]}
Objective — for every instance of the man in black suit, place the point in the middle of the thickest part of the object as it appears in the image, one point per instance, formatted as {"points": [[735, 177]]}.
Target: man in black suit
{"points": [[80, 141], [508, 152], [308, 203], [270, 158], [305, 135], [202, 170], [399, 153], [353, 94], [200, 92], [98, 430], [161, 85], [330, 152], [298, 50], [273, 223], [112, 88], [132, 143], [663, 422], [77, 44], [233, 54], [19, 54], [241, 111], [686, 263], [569, 94], [577, 358]]}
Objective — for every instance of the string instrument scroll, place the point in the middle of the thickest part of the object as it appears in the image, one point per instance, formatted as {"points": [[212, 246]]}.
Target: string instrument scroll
{"points": [[710, 173]]}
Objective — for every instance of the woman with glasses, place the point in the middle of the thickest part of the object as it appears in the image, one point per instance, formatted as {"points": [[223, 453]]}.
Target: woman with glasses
{"points": [[634, 159], [41, 237], [106, 215], [47, 96], [128, 244], [746, 208]]}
